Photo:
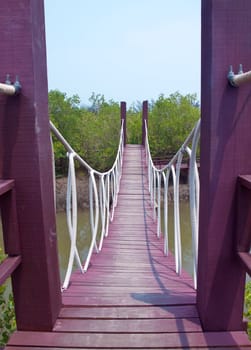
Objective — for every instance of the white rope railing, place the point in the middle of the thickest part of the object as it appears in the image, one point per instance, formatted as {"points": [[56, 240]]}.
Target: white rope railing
{"points": [[103, 192], [158, 179]]}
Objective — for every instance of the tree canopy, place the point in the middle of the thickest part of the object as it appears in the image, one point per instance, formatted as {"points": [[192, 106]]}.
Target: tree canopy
{"points": [[93, 131], [170, 121]]}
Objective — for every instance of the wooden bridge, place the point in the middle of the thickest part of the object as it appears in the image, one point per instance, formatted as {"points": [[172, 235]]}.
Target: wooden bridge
{"points": [[131, 296]]}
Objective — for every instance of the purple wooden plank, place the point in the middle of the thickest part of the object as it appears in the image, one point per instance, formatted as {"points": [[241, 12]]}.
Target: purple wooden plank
{"points": [[160, 283], [142, 341], [94, 290], [136, 299], [243, 225], [11, 234], [123, 118], [246, 260], [245, 180], [128, 326], [144, 119], [182, 311], [119, 348], [6, 185], [7, 267]]}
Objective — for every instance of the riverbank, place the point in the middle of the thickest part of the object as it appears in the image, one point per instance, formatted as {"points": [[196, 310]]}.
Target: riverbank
{"points": [[83, 192]]}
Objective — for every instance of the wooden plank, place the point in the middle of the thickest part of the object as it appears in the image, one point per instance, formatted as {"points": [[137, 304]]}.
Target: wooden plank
{"points": [[149, 312], [128, 326], [6, 186], [246, 261], [132, 340], [119, 348], [7, 266], [136, 299], [117, 274], [245, 180]]}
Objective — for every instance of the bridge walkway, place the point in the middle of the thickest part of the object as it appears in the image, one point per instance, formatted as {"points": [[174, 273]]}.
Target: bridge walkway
{"points": [[131, 296]]}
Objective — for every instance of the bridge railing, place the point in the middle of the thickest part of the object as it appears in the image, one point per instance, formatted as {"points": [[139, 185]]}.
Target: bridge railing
{"points": [[159, 180], [103, 191]]}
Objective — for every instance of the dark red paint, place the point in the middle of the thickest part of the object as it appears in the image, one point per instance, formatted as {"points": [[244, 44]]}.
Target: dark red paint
{"points": [[123, 118], [225, 154], [144, 119], [25, 156]]}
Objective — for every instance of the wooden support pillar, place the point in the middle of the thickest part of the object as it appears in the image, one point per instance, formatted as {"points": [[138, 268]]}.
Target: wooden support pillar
{"points": [[144, 118], [123, 117], [225, 154], [25, 156]]}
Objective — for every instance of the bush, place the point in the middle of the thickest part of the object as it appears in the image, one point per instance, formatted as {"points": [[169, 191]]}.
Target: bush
{"points": [[171, 119], [7, 312], [247, 312]]}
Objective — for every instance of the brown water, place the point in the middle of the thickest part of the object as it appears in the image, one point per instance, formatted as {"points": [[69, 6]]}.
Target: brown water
{"points": [[84, 236]]}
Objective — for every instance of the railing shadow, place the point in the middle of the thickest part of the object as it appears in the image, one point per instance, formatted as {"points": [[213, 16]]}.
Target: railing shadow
{"points": [[162, 299]]}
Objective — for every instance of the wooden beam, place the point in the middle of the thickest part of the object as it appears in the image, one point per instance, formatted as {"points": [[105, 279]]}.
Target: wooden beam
{"points": [[225, 148], [123, 118], [26, 157], [7, 266], [144, 120], [246, 261], [6, 186]]}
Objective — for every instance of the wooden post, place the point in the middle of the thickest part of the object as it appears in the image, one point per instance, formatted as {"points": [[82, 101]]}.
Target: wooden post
{"points": [[123, 117], [144, 118], [25, 156], [225, 154]]}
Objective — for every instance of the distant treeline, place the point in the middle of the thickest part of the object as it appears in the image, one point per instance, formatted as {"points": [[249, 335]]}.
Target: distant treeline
{"points": [[93, 131]]}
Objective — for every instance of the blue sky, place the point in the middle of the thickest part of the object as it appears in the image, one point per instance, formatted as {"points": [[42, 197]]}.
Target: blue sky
{"points": [[127, 50]]}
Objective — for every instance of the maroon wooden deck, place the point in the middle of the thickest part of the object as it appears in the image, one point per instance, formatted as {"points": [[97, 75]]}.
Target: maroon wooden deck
{"points": [[131, 296]]}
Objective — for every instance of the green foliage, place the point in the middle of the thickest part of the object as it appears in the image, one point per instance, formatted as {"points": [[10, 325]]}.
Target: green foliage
{"points": [[134, 127], [7, 312], [247, 312], [93, 132], [170, 121], [100, 134]]}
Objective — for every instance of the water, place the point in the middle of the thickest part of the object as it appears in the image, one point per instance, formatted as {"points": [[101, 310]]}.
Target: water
{"points": [[84, 236], [83, 241], [186, 234]]}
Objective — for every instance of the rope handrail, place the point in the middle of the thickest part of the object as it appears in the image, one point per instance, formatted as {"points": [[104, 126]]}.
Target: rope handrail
{"points": [[99, 201], [158, 176]]}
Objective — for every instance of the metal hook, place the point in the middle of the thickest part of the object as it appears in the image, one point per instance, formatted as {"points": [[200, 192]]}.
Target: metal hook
{"points": [[237, 80], [10, 89]]}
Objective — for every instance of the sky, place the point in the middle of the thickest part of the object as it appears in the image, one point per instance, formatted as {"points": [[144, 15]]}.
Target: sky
{"points": [[126, 50]]}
